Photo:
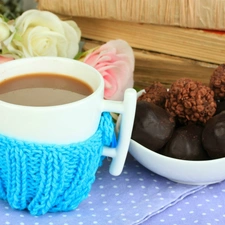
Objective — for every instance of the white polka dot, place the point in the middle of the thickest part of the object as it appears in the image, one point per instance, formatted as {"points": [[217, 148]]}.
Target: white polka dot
{"points": [[162, 220], [78, 215], [215, 196], [21, 215], [108, 215], [204, 214], [110, 221], [115, 186], [178, 209], [92, 209], [106, 209], [51, 223], [170, 215], [137, 214], [95, 222], [141, 179], [127, 179], [217, 220], [199, 205], [196, 221], [186, 203], [183, 219], [7, 214], [7, 222], [36, 223], [117, 194], [22, 223], [191, 212], [101, 186], [6, 207], [118, 202], [102, 195], [65, 224], [220, 206], [104, 202], [212, 210]]}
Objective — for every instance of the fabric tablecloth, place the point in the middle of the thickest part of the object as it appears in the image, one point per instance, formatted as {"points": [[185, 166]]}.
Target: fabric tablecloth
{"points": [[137, 196]]}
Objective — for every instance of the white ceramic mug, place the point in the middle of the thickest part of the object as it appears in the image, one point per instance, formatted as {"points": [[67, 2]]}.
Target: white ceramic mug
{"points": [[67, 123]]}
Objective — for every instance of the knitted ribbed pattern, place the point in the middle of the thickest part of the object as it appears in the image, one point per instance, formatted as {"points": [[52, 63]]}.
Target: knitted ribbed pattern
{"points": [[49, 178]]}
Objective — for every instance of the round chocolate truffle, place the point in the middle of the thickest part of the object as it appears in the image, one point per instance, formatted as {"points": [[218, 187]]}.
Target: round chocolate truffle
{"points": [[213, 136], [190, 100], [217, 82], [220, 107], [186, 144], [155, 93], [153, 126]]}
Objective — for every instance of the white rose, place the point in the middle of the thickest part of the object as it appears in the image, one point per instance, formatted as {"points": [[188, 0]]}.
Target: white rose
{"points": [[5, 30], [42, 33]]}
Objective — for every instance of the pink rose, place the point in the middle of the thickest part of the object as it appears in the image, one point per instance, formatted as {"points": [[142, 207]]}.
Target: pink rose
{"points": [[115, 61], [4, 59]]}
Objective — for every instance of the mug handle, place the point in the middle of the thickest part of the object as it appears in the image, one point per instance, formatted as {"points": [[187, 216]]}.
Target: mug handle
{"points": [[127, 109]]}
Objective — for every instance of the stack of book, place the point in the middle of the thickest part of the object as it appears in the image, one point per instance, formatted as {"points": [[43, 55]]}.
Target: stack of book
{"points": [[171, 39]]}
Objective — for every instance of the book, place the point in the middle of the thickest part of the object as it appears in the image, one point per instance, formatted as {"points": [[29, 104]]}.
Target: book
{"points": [[204, 14]]}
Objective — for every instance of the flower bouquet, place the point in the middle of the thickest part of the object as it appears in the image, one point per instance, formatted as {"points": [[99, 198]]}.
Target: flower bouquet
{"points": [[42, 33]]}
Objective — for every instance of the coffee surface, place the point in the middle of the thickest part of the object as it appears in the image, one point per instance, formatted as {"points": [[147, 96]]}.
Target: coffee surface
{"points": [[43, 89]]}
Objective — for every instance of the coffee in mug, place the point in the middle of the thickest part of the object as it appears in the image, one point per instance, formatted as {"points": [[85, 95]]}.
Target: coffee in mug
{"points": [[43, 89]]}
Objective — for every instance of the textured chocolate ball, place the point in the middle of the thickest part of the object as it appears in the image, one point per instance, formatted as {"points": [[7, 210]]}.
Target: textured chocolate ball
{"points": [[190, 101], [155, 93], [186, 144], [217, 82], [153, 126], [213, 136]]}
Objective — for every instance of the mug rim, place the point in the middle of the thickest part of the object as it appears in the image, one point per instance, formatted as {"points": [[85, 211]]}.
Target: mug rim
{"points": [[7, 65]]}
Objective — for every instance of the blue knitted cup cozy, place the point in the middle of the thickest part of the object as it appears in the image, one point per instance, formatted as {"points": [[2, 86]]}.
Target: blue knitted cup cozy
{"points": [[47, 177]]}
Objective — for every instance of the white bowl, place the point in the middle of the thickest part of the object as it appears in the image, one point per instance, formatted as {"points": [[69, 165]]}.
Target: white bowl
{"points": [[178, 170], [181, 171]]}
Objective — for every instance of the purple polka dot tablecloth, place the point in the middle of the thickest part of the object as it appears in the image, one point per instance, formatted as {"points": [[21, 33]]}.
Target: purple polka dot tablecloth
{"points": [[137, 196]]}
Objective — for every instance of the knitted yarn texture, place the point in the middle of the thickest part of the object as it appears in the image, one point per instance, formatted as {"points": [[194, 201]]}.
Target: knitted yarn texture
{"points": [[47, 177]]}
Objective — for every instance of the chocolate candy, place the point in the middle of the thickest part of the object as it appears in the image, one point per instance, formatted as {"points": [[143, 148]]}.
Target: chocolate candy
{"points": [[186, 144], [213, 136], [153, 126]]}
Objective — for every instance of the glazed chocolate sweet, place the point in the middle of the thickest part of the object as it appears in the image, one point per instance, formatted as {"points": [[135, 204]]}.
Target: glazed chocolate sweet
{"points": [[217, 82], [189, 100], [186, 144], [153, 126], [155, 93], [220, 107], [213, 136]]}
